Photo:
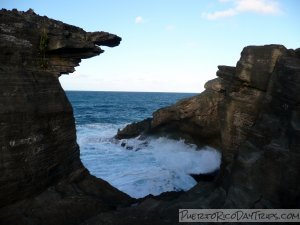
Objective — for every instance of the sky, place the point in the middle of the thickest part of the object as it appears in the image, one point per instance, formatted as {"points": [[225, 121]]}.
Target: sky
{"points": [[168, 45]]}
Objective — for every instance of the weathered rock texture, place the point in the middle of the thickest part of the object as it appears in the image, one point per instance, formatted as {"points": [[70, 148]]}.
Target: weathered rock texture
{"points": [[251, 113], [42, 179]]}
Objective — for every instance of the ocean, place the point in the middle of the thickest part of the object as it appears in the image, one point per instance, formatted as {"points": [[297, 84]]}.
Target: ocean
{"points": [[145, 167]]}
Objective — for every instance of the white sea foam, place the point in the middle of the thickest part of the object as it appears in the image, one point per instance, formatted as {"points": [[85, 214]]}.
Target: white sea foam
{"points": [[143, 167]]}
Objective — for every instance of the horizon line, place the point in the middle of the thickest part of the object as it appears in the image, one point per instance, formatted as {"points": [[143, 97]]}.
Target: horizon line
{"points": [[180, 92]]}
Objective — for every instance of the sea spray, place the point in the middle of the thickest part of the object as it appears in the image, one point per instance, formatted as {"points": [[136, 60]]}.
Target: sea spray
{"points": [[142, 167], [137, 167]]}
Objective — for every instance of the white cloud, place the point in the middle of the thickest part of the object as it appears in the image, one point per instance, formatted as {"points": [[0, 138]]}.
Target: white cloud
{"points": [[170, 27], [219, 14], [240, 6], [260, 6], [139, 19], [225, 0]]}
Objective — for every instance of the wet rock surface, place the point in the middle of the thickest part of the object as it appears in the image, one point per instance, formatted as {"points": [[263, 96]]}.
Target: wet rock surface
{"points": [[193, 119], [134, 130]]}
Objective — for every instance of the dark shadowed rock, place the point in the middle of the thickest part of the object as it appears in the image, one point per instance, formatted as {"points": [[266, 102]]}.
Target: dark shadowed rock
{"points": [[251, 113], [205, 177], [193, 119], [42, 178], [256, 65], [135, 129], [217, 84], [226, 72], [257, 123]]}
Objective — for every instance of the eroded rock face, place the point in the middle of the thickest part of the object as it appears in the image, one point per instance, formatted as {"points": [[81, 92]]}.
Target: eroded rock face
{"points": [[256, 122], [251, 113], [193, 119], [42, 178]]}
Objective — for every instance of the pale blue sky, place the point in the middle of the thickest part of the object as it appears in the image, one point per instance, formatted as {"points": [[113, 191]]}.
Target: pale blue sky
{"points": [[168, 45]]}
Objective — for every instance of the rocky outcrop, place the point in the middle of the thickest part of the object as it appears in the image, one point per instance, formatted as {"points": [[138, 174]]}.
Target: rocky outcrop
{"points": [[251, 112], [134, 130], [42, 178], [194, 119]]}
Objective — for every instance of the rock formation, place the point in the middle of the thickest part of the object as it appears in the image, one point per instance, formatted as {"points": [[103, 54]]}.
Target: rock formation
{"points": [[42, 178], [251, 113]]}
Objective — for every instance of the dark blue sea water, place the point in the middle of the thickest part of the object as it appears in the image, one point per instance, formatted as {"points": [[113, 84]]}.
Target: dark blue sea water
{"points": [[118, 107], [159, 165]]}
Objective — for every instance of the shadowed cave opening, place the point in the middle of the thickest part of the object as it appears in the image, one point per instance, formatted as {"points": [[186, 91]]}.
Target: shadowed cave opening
{"points": [[136, 166]]}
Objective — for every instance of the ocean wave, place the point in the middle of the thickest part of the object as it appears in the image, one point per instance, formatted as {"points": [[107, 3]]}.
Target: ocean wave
{"points": [[142, 167]]}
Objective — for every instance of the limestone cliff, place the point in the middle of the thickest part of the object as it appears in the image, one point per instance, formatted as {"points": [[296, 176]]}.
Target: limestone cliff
{"points": [[42, 179], [251, 113]]}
